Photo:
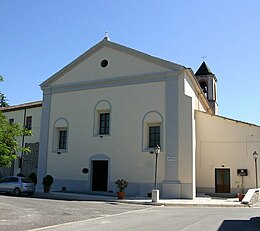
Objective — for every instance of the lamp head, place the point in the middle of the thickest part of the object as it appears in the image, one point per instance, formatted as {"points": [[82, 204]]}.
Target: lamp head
{"points": [[157, 149], [255, 155]]}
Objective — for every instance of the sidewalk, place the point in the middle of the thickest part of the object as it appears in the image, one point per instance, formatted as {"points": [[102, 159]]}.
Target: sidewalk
{"points": [[197, 202]]}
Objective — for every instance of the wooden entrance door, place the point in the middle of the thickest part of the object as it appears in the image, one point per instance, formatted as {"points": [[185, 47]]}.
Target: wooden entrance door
{"points": [[99, 175], [222, 180]]}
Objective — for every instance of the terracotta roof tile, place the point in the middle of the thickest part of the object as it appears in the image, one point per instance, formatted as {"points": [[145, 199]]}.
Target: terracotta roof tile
{"points": [[21, 106]]}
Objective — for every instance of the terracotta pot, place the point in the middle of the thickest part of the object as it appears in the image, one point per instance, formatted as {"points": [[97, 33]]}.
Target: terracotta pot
{"points": [[240, 196], [121, 195]]}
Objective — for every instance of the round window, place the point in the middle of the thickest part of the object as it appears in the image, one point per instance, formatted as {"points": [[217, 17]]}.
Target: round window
{"points": [[104, 63]]}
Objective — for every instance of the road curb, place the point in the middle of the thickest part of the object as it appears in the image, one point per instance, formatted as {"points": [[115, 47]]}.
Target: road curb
{"points": [[175, 203]]}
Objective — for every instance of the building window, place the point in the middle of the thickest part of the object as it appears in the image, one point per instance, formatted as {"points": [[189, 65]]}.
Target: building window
{"points": [[104, 63], [60, 136], [63, 139], [102, 119], [28, 123], [104, 123], [154, 136], [152, 131], [204, 87], [11, 121]]}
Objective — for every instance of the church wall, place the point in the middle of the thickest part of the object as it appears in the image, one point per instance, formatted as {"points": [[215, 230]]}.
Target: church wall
{"points": [[123, 147], [180, 137], [227, 144], [187, 137], [190, 90], [138, 91], [171, 186]]}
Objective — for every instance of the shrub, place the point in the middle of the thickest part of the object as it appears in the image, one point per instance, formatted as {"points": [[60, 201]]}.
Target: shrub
{"points": [[121, 184], [47, 180], [20, 174], [33, 177]]}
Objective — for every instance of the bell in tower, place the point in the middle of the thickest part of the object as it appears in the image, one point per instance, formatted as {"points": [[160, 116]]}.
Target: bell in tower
{"points": [[208, 84]]}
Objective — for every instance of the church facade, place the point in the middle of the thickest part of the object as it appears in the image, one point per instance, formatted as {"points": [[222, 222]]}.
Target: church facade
{"points": [[103, 114]]}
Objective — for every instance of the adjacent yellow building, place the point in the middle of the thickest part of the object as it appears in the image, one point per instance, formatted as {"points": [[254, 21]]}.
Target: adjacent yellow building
{"points": [[29, 116]]}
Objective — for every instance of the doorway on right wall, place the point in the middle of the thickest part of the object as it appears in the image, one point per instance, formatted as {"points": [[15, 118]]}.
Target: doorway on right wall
{"points": [[222, 180]]}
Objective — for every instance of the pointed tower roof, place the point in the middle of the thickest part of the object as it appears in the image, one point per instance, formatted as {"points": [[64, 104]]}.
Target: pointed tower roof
{"points": [[203, 70]]}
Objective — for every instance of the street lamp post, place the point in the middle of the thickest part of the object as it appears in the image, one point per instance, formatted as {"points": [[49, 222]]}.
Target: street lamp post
{"points": [[255, 155], [155, 192], [157, 150]]}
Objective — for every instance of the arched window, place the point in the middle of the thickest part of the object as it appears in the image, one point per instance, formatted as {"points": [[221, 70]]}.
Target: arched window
{"points": [[102, 118], [215, 92], [152, 130], [204, 87], [60, 136]]}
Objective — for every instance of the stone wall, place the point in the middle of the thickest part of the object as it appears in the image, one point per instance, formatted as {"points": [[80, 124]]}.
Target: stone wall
{"points": [[6, 172], [30, 160]]}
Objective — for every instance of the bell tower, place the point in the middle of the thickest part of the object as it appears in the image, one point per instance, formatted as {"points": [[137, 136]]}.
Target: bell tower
{"points": [[208, 84]]}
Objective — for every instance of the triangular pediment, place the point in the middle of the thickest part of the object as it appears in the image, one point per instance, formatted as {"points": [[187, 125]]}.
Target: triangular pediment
{"points": [[109, 60]]}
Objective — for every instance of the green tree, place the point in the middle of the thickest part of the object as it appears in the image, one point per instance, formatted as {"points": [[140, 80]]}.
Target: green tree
{"points": [[8, 135], [3, 100], [8, 143]]}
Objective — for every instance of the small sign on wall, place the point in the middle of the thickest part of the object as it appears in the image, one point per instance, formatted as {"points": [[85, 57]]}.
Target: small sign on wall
{"points": [[171, 158], [85, 170], [242, 172]]}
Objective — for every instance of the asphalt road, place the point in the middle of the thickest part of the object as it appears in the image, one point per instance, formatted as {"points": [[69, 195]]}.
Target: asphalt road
{"points": [[23, 213]]}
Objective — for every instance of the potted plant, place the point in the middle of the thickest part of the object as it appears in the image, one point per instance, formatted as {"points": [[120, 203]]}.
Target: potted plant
{"points": [[240, 194], [47, 182], [33, 177], [121, 184]]}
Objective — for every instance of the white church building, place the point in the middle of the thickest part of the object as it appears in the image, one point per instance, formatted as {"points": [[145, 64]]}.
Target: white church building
{"points": [[103, 114]]}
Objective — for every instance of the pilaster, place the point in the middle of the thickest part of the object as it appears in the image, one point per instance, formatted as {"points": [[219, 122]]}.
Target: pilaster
{"points": [[44, 138]]}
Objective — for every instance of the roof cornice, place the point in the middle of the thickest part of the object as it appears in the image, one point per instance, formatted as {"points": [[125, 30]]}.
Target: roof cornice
{"points": [[229, 119], [111, 82], [22, 106]]}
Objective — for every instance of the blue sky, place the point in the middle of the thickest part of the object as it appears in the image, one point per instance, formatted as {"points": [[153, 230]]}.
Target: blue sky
{"points": [[38, 38]]}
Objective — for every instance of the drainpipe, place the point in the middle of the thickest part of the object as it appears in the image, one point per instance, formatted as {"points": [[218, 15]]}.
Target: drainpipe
{"points": [[24, 121]]}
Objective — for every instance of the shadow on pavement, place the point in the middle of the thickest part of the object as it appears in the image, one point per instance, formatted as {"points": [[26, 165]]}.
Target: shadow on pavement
{"points": [[249, 225]]}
